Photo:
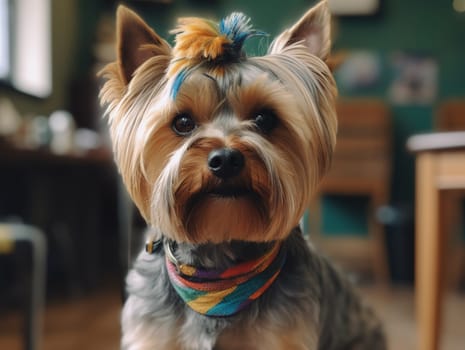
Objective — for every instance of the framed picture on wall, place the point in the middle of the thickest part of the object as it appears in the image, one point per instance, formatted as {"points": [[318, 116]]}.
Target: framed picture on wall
{"points": [[415, 79], [156, 1], [354, 7]]}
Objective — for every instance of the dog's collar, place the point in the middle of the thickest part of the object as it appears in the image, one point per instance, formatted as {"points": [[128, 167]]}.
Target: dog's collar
{"points": [[223, 293]]}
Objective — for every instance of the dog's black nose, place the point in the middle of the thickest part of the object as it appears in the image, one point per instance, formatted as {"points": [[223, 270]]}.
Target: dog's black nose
{"points": [[225, 162]]}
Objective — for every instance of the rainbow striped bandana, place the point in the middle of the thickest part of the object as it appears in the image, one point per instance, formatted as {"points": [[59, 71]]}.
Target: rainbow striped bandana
{"points": [[224, 293]]}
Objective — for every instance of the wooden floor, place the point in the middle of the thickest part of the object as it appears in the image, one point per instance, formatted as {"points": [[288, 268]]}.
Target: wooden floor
{"points": [[86, 323], [396, 309], [92, 323]]}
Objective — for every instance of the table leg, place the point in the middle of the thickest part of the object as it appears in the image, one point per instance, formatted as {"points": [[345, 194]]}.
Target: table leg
{"points": [[428, 253]]}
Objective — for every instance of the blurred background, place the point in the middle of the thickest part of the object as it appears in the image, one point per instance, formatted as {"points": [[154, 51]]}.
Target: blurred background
{"points": [[67, 230]]}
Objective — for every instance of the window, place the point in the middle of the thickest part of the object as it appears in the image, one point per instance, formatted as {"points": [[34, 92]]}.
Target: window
{"points": [[25, 45], [4, 40]]}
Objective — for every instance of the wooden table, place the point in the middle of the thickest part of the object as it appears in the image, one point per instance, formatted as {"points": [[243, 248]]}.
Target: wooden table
{"points": [[440, 166], [69, 197]]}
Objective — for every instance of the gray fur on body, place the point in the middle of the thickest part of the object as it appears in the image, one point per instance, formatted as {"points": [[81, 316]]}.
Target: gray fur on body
{"points": [[309, 293]]}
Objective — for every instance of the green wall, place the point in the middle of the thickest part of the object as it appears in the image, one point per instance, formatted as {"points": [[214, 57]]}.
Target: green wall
{"points": [[427, 26]]}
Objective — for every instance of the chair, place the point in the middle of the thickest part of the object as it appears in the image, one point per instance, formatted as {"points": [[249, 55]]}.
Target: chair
{"points": [[361, 167], [450, 116]]}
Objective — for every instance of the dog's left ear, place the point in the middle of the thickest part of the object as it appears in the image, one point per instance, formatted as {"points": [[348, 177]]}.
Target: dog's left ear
{"points": [[313, 30], [137, 42]]}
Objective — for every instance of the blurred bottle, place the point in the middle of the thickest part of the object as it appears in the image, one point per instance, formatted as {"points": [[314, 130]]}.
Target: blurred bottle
{"points": [[62, 127], [10, 119]]}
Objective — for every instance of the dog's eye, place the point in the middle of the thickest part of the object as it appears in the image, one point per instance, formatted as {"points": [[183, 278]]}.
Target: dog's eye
{"points": [[183, 124], [265, 120]]}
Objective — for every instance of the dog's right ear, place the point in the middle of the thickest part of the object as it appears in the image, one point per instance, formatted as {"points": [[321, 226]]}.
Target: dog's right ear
{"points": [[136, 43], [312, 31]]}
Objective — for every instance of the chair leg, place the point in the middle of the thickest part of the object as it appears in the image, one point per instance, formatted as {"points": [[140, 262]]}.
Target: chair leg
{"points": [[428, 254], [450, 222]]}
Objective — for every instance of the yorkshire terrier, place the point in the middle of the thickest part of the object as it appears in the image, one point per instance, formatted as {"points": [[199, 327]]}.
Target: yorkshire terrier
{"points": [[221, 153]]}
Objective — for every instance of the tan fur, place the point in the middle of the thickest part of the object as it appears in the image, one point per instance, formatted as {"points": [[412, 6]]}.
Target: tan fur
{"points": [[206, 221], [142, 166]]}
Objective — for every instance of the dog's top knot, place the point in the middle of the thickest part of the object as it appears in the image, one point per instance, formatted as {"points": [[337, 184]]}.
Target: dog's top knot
{"points": [[200, 40]]}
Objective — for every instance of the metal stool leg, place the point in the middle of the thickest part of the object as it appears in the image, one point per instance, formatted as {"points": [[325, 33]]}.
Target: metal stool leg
{"points": [[34, 317]]}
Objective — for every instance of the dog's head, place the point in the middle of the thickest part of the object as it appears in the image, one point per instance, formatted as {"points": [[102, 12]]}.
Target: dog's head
{"points": [[213, 145]]}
